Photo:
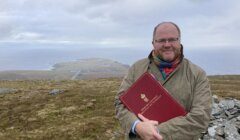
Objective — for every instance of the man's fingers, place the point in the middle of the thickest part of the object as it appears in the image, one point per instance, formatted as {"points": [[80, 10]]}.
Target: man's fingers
{"points": [[142, 117], [154, 122], [146, 119], [157, 136]]}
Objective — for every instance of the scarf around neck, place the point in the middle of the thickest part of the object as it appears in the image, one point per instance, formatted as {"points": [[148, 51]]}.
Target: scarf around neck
{"points": [[166, 68]]}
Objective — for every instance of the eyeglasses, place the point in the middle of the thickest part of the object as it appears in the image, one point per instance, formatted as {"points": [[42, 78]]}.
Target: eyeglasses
{"points": [[165, 40]]}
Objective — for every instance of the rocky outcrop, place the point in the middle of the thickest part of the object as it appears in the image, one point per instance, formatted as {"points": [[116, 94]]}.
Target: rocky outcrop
{"points": [[225, 120]]}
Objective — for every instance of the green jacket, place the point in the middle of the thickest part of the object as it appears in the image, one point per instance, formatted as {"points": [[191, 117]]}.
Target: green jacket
{"points": [[188, 84]]}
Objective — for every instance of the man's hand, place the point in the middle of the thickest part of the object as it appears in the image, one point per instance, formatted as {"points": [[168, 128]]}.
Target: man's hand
{"points": [[147, 130]]}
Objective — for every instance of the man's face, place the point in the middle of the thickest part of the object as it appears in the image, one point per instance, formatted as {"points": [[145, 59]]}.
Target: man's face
{"points": [[166, 42]]}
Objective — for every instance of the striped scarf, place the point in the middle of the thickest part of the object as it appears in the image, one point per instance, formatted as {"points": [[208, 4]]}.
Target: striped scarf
{"points": [[166, 68]]}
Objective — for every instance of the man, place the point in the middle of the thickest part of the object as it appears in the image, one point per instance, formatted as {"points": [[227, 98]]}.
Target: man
{"points": [[185, 81]]}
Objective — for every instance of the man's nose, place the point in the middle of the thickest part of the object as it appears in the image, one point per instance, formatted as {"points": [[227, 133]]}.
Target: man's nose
{"points": [[167, 43]]}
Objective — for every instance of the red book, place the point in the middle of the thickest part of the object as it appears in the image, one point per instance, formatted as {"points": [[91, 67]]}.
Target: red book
{"points": [[149, 98]]}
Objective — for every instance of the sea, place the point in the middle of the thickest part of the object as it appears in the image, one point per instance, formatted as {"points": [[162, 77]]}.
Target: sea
{"points": [[224, 61]]}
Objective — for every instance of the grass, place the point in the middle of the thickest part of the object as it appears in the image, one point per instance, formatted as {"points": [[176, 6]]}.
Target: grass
{"points": [[226, 86], [84, 111]]}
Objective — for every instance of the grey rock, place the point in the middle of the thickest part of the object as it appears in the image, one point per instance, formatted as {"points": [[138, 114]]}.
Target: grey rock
{"points": [[220, 131], [212, 131], [233, 111], [229, 115], [221, 116], [231, 132], [7, 90], [237, 125], [237, 103], [227, 104], [238, 118], [216, 110], [56, 91]]}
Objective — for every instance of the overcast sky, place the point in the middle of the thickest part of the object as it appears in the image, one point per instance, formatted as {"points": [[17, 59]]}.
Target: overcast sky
{"points": [[118, 23]]}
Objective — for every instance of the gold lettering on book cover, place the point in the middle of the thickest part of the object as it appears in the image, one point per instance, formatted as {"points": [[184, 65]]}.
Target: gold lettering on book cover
{"points": [[149, 104], [145, 99]]}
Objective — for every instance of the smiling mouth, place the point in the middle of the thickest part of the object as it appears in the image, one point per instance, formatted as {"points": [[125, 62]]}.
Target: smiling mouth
{"points": [[168, 51]]}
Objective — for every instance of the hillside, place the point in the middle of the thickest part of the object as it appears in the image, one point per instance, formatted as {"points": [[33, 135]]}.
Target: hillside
{"points": [[91, 68], [76, 109]]}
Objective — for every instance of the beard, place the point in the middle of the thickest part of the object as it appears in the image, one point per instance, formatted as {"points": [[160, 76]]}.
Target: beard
{"points": [[168, 54]]}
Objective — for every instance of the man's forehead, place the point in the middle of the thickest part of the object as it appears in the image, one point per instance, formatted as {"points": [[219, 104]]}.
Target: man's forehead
{"points": [[167, 27]]}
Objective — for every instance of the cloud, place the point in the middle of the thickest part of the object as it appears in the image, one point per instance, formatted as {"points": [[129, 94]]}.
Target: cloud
{"points": [[215, 29], [6, 28], [118, 22], [27, 36]]}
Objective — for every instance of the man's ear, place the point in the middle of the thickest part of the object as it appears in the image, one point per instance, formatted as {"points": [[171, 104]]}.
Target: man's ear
{"points": [[182, 49]]}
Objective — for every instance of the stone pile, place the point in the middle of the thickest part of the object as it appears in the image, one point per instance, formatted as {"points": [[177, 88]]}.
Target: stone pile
{"points": [[225, 120]]}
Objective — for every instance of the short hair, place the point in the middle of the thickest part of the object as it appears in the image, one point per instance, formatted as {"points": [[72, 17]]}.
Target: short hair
{"points": [[155, 29]]}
